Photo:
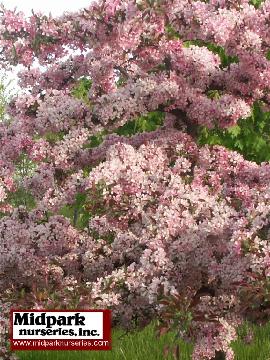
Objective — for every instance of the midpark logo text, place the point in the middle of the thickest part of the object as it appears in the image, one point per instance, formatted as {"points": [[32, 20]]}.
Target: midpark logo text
{"points": [[60, 330]]}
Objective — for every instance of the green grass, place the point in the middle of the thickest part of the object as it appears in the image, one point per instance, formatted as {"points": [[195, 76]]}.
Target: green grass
{"points": [[259, 349], [143, 345], [140, 345]]}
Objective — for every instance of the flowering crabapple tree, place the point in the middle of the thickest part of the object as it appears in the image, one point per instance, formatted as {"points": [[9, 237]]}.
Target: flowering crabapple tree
{"points": [[150, 224]]}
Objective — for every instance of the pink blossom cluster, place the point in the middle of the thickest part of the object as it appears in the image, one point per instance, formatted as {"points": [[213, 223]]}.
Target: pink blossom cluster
{"points": [[35, 248], [170, 221]]}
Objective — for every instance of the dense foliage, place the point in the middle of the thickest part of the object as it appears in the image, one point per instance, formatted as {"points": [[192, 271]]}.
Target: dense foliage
{"points": [[106, 198], [250, 137]]}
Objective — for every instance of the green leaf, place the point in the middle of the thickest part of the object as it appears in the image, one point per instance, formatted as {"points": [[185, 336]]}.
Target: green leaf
{"points": [[234, 130]]}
